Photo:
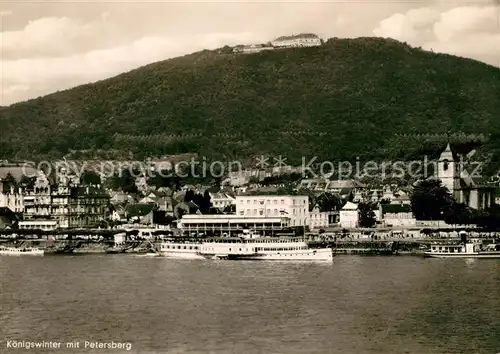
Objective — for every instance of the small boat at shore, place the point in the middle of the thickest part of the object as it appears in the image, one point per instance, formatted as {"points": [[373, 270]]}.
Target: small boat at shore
{"points": [[467, 249], [21, 251]]}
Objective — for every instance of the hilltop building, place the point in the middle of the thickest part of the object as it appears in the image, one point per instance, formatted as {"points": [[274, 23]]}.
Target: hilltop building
{"points": [[252, 48], [300, 40], [464, 187]]}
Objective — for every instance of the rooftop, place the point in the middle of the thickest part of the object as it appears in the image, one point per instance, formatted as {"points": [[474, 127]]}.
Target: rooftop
{"points": [[297, 36]]}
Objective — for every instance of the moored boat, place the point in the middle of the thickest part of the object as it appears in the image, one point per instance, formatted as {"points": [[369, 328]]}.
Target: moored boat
{"points": [[21, 251], [180, 248], [466, 249], [264, 248]]}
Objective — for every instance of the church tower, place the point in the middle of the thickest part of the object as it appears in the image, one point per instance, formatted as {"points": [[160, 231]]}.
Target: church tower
{"points": [[448, 170]]}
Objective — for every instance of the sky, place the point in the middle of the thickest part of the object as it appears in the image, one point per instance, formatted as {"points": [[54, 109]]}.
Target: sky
{"points": [[54, 45]]}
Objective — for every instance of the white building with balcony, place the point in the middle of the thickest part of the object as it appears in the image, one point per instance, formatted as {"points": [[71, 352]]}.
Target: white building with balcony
{"points": [[294, 207], [231, 223], [300, 40]]}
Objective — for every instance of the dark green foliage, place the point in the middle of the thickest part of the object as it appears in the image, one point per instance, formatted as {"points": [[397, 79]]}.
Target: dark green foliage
{"points": [[124, 181], [366, 215], [488, 219], [366, 97], [90, 178], [458, 214], [230, 209], [430, 200], [328, 202], [286, 179], [201, 200]]}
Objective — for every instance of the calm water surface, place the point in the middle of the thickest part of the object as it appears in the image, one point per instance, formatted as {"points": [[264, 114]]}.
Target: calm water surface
{"points": [[354, 305]]}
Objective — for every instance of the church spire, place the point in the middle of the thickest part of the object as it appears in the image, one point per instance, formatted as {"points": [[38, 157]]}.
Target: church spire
{"points": [[447, 154]]}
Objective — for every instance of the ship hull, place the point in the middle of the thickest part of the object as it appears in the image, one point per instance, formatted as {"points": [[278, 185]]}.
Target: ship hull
{"points": [[463, 255], [181, 255], [313, 255]]}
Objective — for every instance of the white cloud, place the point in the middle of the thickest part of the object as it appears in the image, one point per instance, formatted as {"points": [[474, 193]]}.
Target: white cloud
{"points": [[42, 74], [472, 31], [70, 45]]}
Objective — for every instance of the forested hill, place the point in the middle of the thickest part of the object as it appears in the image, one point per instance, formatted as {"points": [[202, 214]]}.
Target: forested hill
{"points": [[367, 97]]}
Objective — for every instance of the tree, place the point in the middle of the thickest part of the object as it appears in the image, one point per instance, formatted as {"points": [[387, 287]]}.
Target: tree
{"points": [[366, 215], [229, 209], [458, 214], [253, 180], [328, 202], [27, 182], [9, 181], [430, 200], [189, 197], [90, 178], [124, 181], [488, 219], [207, 204], [163, 178]]}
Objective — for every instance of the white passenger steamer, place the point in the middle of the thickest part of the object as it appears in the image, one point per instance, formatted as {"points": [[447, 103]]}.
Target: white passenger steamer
{"points": [[473, 248], [180, 248], [22, 251], [265, 248], [239, 248]]}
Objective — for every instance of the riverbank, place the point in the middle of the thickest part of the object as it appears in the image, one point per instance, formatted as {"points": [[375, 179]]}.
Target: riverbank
{"points": [[80, 246]]}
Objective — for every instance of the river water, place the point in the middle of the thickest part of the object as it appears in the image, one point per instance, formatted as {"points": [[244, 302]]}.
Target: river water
{"points": [[355, 305]]}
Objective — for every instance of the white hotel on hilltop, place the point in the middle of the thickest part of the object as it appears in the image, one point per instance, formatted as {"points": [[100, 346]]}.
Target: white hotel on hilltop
{"points": [[261, 213]]}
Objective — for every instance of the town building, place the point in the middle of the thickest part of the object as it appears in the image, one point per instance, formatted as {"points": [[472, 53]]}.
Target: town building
{"points": [[319, 219], [300, 40], [7, 218], [11, 197], [45, 225], [343, 188], [66, 202], [294, 207], [463, 187], [348, 216], [140, 213], [397, 215], [222, 200]]}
